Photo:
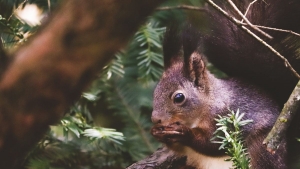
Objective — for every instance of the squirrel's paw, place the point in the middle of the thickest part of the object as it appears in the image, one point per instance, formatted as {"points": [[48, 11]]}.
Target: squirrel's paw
{"points": [[171, 133]]}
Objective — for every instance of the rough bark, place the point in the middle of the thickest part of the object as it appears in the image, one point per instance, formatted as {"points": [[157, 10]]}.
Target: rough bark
{"points": [[163, 158], [51, 71], [279, 130]]}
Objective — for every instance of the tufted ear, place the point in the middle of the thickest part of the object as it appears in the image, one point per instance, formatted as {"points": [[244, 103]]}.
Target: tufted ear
{"points": [[193, 61], [195, 69], [172, 46]]}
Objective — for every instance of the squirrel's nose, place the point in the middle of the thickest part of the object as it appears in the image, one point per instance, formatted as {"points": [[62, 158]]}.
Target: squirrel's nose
{"points": [[155, 118]]}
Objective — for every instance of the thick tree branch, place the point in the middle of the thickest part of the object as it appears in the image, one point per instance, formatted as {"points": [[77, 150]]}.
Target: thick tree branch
{"points": [[163, 158], [51, 71], [291, 107]]}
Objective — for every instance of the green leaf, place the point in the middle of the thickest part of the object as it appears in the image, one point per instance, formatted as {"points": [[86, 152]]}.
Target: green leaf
{"points": [[229, 136]]}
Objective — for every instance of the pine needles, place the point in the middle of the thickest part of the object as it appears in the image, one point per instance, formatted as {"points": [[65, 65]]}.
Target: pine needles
{"points": [[229, 134]]}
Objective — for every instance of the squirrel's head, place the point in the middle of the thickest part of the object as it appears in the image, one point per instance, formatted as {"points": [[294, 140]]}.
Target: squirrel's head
{"points": [[182, 92]]}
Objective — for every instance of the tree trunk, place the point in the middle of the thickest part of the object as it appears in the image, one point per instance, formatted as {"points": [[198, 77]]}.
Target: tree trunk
{"points": [[47, 74]]}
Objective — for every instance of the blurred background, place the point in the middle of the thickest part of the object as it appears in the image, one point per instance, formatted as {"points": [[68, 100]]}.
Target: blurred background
{"points": [[108, 127]]}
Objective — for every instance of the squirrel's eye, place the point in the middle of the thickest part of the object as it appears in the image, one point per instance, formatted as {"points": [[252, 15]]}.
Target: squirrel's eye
{"points": [[179, 98]]}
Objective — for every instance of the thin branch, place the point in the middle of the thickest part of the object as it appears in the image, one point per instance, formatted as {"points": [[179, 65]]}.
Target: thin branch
{"points": [[280, 30], [247, 21], [276, 29], [49, 5], [2, 52], [250, 4], [241, 25], [188, 7], [3, 58], [272, 141]]}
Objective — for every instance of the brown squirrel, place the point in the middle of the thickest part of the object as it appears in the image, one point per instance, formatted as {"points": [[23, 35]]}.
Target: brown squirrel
{"points": [[188, 97]]}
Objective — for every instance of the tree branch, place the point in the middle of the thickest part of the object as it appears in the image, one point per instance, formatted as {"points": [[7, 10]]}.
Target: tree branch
{"points": [[163, 158], [51, 71], [291, 107], [279, 30], [247, 21], [181, 7], [240, 24], [247, 10]]}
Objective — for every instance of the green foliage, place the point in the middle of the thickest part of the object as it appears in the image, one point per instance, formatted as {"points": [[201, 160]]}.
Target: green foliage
{"points": [[13, 30], [76, 144], [149, 58], [228, 134], [7, 28]]}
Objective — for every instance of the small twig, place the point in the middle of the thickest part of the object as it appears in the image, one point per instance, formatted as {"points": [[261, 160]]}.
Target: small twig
{"points": [[2, 51], [3, 58], [277, 29], [181, 7], [239, 24], [251, 3], [291, 107], [247, 21], [187, 7], [49, 5]]}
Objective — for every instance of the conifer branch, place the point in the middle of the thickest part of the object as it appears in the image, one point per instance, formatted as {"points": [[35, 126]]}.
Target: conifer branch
{"points": [[136, 122]]}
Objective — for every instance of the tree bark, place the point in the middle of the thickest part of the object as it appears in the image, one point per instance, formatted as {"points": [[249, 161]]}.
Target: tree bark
{"points": [[58, 63], [163, 158], [288, 113]]}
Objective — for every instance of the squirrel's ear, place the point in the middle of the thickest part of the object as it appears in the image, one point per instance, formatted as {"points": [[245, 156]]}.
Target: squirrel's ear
{"points": [[193, 62], [195, 69], [172, 46]]}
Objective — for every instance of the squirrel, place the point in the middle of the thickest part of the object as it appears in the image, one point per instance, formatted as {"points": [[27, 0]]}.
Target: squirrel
{"points": [[188, 98]]}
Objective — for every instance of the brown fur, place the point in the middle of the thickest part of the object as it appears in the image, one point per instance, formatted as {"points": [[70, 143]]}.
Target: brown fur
{"points": [[268, 83], [192, 123]]}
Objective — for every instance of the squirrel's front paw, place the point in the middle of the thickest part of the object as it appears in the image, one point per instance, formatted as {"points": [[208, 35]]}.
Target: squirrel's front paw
{"points": [[171, 133]]}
